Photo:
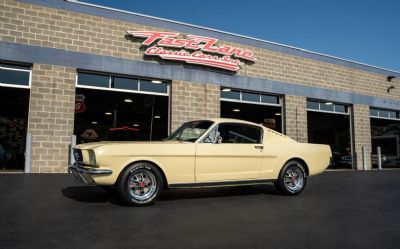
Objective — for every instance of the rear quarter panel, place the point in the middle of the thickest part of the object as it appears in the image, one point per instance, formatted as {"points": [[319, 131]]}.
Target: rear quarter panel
{"points": [[277, 153]]}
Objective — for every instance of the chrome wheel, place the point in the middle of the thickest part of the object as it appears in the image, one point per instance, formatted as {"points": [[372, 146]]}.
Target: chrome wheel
{"points": [[142, 184], [294, 178]]}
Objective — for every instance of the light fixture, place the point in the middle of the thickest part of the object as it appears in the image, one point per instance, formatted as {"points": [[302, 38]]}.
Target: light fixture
{"points": [[236, 110], [390, 77], [94, 122], [157, 116], [108, 113], [226, 90], [390, 88], [136, 125], [328, 103], [156, 81], [128, 100], [278, 114]]}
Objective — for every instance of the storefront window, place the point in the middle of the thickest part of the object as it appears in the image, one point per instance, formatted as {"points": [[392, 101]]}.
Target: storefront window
{"points": [[14, 102], [137, 115], [86, 79], [270, 99], [253, 97], [329, 123], [153, 86], [14, 74], [326, 106], [230, 94], [239, 104], [385, 134], [125, 83]]}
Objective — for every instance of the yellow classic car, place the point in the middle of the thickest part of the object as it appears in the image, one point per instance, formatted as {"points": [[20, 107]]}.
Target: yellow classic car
{"points": [[202, 153]]}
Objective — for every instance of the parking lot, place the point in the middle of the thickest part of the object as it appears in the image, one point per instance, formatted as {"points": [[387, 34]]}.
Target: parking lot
{"points": [[336, 210]]}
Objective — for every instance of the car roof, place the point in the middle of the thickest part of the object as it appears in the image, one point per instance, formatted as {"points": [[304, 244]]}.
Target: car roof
{"points": [[232, 120]]}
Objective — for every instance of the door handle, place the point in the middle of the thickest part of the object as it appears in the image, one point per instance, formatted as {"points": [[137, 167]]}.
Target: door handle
{"points": [[259, 147]]}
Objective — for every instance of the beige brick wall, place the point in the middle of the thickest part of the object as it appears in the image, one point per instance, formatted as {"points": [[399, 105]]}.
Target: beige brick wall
{"points": [[51, 117], [362, 135], [296, 118], [191, 101], [42, 26]]}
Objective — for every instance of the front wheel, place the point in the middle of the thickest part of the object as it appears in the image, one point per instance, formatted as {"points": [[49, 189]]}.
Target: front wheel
{"points": [[140, 184], [292, 178]]}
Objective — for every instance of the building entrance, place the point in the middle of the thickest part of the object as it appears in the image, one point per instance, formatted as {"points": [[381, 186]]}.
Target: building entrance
{"points": [[329, 123]]}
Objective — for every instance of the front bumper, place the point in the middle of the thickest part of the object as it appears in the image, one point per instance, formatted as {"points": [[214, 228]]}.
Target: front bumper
{"points": [[85, 175]]}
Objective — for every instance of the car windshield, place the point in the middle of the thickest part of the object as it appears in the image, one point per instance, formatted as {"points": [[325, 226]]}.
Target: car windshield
{"points": [[190, 132]]}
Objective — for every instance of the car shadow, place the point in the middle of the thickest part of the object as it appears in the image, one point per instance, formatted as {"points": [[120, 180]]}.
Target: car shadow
{"points": [[93, 194], [198, 193], [90, 194]]}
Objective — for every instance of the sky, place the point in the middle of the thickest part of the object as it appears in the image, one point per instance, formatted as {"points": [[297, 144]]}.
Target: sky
{"points": [[364, 31]]}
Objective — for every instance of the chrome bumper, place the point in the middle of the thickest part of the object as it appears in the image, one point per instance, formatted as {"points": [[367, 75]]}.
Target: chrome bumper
{"points": [[84, 175]]}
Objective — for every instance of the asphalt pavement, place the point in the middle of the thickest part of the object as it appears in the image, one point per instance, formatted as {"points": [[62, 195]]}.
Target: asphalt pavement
{"points": [[344, 209]]}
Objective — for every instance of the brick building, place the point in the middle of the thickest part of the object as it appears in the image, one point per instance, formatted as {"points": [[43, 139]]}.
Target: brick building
{"points": [[70, 68]]}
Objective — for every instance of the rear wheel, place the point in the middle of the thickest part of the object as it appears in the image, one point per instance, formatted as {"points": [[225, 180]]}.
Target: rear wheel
{"points": [[140, 184], [292, 178]]}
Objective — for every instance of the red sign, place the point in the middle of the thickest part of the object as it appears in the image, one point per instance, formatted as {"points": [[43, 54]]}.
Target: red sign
{"points": [[192, 48], [80, 103]]}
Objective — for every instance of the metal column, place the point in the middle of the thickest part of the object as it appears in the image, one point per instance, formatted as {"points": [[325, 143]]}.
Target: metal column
{"points": [[28, 153]]}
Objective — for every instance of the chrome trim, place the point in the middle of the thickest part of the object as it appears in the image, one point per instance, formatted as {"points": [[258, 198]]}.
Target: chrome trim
{"points": [[84, 174]]}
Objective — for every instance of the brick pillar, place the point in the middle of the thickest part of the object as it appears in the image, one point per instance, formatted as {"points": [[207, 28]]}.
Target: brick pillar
{"points": [[361, 135], [51, 117], [296, 118], [191, 101]]}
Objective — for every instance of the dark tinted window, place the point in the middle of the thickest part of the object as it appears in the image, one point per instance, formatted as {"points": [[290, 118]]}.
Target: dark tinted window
{"points": [[253, 97], [327, 107], [340, 108], [149, 86], [312, 105], [240, 133], [230, 95], [15, 66], [93, 80], [125, 83], [15, 77], [373, 112], [270, 99]]}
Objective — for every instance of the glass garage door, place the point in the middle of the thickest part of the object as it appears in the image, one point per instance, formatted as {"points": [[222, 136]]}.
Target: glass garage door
{"points": [[330, 123], [120, 108], [257, 107], [14, 106], [385, 134]]}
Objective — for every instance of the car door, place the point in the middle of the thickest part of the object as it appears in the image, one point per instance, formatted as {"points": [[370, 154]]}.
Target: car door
{"points": [[231, 151]]}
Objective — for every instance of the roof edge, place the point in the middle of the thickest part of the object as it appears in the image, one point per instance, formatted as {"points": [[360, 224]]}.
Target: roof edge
{"points": [[232, 34]]}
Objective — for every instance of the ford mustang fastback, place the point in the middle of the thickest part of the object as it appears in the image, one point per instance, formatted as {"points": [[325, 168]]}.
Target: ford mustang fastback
{"points": [[202, 153]]}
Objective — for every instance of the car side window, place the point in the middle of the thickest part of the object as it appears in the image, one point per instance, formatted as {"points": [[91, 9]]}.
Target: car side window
{"points": [[239, 133]]}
